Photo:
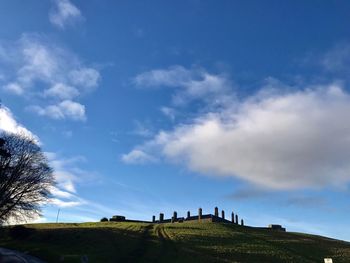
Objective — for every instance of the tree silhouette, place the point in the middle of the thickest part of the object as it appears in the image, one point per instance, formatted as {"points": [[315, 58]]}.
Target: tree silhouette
{"points": [[25, 177]]}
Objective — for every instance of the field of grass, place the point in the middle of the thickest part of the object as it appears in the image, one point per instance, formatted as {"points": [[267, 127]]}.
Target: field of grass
{"points": [[179, 242]]}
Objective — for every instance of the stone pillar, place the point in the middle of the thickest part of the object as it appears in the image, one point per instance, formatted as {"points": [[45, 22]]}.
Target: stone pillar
{"points": [[216, 211], [223, 214], [236, 219], [233, 217], [199, 214], [242, 222], [175, 216], [161, 217], [188, 214], [153, 219]]}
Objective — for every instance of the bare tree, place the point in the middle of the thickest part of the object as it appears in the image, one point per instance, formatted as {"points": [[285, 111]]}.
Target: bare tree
{"points": [[25, 177]]}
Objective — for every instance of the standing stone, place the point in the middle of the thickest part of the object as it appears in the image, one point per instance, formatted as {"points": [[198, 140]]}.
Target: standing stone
{"points": [[236, 219], [174, 218], [153, 219], [199, 214], [223, 214], [188, 214], [216, 211], [161, 217], [233, 217], [242, 222]]}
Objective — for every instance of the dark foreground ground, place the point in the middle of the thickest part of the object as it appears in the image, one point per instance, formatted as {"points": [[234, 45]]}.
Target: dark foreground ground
{"points": [[179, 242]]}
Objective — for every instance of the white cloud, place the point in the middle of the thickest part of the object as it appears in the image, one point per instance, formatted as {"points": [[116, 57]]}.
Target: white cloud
{"points": [[64, 12], [67, 174], [52, 74], [60, 193], [68, 185], [13, 88], [138, 157], [191, 84], [293, 140], [66, 109], [61, 203], [61, 91], [86, 78], [63, 173], [40, 62], [67, 134], [337, 59], [9, 124], [141, 129], [173, 77], [169, 112]]}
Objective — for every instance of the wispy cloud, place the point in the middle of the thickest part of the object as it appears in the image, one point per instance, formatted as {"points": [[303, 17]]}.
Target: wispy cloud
{"points": [[138, 157], [62, 203], [248, 193], [300, 199], [86, 78], [50, 73], [68, 174], [61, 91], [191, 84], [169, 112], [142, 129], [66, 171], [60, 193], [14, 88], [64, 13], [337, 59], [307, 201], [334, 64]]}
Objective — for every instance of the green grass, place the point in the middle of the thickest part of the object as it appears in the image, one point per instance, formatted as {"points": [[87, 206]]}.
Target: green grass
{"points": [[179, 242]]}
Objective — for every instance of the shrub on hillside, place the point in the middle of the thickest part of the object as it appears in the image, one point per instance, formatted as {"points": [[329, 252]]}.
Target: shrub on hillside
{"points": [[104, 219]]}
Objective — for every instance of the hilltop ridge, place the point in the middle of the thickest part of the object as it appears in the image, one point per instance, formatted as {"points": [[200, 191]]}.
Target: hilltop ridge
{"points": [[170, 242]]}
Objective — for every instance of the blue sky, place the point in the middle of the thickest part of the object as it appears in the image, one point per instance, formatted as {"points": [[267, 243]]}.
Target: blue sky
{"points": [[145, 107]]}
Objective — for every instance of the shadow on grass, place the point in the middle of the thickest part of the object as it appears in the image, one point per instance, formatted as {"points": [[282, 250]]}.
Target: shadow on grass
{"points": [[209, 242], [70, 244]]}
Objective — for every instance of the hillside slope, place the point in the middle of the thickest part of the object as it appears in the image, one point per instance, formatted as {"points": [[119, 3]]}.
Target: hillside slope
{"points": [[179, 242]]}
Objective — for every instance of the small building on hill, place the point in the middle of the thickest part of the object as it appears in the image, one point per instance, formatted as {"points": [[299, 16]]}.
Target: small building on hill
{"points": [[276, 227], [273, 227], [117, 218]]}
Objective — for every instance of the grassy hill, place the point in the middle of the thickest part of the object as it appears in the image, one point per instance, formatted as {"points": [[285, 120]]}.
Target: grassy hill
{"points": [[179, 242]]}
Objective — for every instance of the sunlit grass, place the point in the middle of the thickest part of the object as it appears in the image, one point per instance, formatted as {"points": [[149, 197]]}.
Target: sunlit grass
{"points": [[179, 242]]}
